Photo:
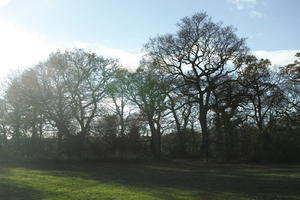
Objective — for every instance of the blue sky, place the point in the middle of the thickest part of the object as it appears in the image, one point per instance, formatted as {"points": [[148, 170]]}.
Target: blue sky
{"points": [[31, 29]]}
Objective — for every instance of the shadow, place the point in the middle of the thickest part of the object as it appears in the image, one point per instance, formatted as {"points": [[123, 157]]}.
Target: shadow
{"points": [[167, 179], [17, 192]]}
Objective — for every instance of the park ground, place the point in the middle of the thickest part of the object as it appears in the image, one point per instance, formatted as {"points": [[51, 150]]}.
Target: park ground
{"points": [[164, 180]]}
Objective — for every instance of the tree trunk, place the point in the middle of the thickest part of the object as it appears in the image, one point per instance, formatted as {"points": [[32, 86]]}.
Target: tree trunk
{"points": [[182, 142], [81, 143], [4, 136], [180, 135], [204, 128], [62, 131], [155, 139], [220, 137]]}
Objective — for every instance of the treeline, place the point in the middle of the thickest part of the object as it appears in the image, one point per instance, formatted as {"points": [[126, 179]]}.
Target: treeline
{"points": [[197, 92]]}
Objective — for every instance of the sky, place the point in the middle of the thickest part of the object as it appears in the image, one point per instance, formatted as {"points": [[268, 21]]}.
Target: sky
{"points": [[31, 29]]}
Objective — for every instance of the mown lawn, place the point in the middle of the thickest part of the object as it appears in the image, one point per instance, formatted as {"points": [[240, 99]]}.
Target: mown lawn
{"points": [[172, 180]]}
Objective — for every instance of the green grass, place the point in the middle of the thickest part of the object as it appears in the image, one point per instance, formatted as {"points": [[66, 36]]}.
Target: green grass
{"points": [[176, 180]]}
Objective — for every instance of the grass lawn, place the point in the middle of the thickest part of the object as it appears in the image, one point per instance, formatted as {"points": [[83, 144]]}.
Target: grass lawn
{"points": [[170, 180]]}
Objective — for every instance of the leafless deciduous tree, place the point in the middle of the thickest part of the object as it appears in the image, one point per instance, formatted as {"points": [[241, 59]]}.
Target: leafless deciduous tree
{"points": [[200, 52]]}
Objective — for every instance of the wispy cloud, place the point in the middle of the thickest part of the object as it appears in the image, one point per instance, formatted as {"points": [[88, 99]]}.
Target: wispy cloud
{"points": [[255, 13], [243, 4], [249, 6], [4, 3]]}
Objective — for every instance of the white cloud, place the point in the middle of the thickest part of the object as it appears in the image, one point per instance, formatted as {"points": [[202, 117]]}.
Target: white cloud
{"points": [[278, 58], [4, 3], [128, 58], [19, 48]]}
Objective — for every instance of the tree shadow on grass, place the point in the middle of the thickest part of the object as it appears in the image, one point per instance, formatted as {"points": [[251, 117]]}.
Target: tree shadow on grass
{"points": [[188, 180], [224, 180], [10, 191]]}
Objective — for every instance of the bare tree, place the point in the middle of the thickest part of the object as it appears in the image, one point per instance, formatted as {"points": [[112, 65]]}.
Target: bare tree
{"points": [[87, 77], [54, 95], [199, 53]]}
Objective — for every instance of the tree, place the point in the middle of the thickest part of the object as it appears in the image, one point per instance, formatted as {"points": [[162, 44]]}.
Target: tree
{"points": [[199, 53], [86, 78], [228, 103], [117, 93], [290, 79], [24, 112], [15, 110], [293, 69], [262, 93], [147, 89], [54, 96], [3, 122], [180, 107]]}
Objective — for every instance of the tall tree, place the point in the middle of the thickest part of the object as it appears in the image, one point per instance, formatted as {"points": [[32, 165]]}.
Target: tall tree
{"points": [[147, 89], [86, 80], [117, 93], [290, 79], [180, 108], [199, 53], [263, 94], [54, 95], [229, 100], [24, 111]]}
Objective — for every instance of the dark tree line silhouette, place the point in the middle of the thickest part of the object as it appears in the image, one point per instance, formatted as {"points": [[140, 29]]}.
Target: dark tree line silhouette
{"points": [[197, 92]]}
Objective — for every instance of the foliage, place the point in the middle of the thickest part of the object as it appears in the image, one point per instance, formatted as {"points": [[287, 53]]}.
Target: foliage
{"points": [[197, 92]]}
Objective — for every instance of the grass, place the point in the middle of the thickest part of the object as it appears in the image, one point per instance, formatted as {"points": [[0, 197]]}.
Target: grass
{"points": [[172, 180]]}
